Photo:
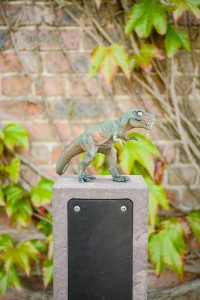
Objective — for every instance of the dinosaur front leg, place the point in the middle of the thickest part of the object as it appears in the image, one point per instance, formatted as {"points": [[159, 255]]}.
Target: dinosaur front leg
{"points": [[111, 159], [88, 158]]}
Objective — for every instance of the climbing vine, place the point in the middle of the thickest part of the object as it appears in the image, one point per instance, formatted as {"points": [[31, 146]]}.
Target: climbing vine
{"points": [[150, 36]]}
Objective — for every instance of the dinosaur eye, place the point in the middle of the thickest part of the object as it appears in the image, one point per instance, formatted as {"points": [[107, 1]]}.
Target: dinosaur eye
{"points": [[140, 113]]}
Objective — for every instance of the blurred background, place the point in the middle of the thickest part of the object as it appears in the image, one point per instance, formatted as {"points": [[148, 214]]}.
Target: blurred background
{"points": [[65, 65]]}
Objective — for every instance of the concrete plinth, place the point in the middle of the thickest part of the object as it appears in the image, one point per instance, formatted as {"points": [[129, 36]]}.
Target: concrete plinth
{"points": [[67, 188]]}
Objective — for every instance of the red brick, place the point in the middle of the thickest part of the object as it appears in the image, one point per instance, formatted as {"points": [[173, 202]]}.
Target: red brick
{"points": [[40, 154], [57, 62], [51, 86], [5, 42], [21, 110], [79, 62], [172, 195], [56, 151], [29, 14], [63, 18], [191, 198], [32, 62], [68, 131], [29, 175], [51, 171], [71, 38], [41, 132], [25, 39], [182, 176], [169, 152], [88, 42], [49, 39], [16, 86], [84, 86], [9, 63]]}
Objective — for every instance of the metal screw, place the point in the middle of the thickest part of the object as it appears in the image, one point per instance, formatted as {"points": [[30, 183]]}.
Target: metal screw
{"points": [[123, 208], [77, 208]]}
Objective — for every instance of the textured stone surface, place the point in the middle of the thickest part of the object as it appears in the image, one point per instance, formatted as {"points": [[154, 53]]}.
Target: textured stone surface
{"points": [[68, 187]]}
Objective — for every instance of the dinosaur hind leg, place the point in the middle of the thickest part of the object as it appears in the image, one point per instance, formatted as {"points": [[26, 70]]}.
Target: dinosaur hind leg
{"points": [[111, 160], [88, 158]]}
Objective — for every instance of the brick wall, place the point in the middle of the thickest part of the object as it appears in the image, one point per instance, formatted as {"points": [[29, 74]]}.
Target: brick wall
{"points": [[44, 61]]}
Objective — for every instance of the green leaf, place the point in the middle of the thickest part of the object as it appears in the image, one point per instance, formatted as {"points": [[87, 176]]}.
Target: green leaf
{"points": [[5, 241], [194, 222], [18, 208], [180, 6], [145, 56], [144, 16], [167, 247], [176, 39], [13, 169], [9, 278], [42, 193], [39, 245], [1, 148], [108, 60], [15, 134], [98, 161], [49, 242], [2, 202], [47, 272], [45, 226], [1, 134]]}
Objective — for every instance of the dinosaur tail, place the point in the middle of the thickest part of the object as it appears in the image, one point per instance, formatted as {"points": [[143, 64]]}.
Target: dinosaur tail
{"points": [[68, 153]]}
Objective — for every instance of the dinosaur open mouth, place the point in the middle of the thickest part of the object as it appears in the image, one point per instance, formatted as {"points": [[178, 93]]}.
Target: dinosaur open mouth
{"points": [[149, 124]]}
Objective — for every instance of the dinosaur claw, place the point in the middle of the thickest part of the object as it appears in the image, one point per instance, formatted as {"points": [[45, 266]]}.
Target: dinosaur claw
{"points": [[121, 178], [86, 178]]}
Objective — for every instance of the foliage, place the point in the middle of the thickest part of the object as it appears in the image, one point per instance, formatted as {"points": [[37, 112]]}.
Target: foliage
{"points": [[146, 18], [20, 206]]}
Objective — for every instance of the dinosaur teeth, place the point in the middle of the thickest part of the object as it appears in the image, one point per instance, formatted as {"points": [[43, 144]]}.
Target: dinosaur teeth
{"points": [[150, 124]]}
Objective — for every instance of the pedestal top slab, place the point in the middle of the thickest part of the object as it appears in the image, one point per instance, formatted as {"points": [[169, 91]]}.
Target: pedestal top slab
{"points": [[101, 182]]}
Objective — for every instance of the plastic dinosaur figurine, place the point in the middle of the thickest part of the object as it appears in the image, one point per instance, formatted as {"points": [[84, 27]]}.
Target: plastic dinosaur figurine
{"points": [[101, 139]]}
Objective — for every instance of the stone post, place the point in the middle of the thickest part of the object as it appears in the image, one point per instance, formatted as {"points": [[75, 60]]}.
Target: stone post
{"points": [[103, 188]]}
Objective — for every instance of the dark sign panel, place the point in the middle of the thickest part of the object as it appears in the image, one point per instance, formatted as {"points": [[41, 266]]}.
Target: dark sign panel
{"points": [[100, 249]]}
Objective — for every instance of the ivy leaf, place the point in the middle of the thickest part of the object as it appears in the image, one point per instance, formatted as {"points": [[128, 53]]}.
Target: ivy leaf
{"points": [[157, 197], [13, 169], [167, 247], [176, 39], [45, 226], [98, 161], [15, 134], [18, 208], [108, 60], [47, 272], [2, 202], [144, 59], [194, 222], [141, 151], [42, 193], [5, 241], [185, 5], [9, 278], [144, 16], [1, 141], [39, 245], [1, 134], [98, 3]]}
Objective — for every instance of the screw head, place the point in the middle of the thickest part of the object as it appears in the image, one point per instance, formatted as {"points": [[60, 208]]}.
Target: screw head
{"points": [[123, 208], [77, 208]]}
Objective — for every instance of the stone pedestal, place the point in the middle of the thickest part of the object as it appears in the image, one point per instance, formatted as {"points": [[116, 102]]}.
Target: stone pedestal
{"points": [[123, 220]]}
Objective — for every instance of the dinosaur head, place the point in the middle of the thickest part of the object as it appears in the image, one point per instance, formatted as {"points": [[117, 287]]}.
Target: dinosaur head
{"points": [[138, 118]]}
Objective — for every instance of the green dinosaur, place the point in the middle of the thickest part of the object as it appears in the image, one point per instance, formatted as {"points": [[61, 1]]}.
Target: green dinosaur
{"points": [[101, 139]]}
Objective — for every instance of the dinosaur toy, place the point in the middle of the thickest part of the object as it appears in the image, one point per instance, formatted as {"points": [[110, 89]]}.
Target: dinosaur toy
{"points": [[101, 139]]}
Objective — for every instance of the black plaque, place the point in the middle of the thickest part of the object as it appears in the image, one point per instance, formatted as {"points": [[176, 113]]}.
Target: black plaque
{"points": [[100, 249]]}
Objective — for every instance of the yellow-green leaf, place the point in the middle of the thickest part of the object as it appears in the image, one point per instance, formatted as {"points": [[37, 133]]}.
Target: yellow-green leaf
{"points": [[15, 134], [13, 169], [2, 202], [194, 221], [42, 193], [108, 60], [47, 272], [180, 6]]}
